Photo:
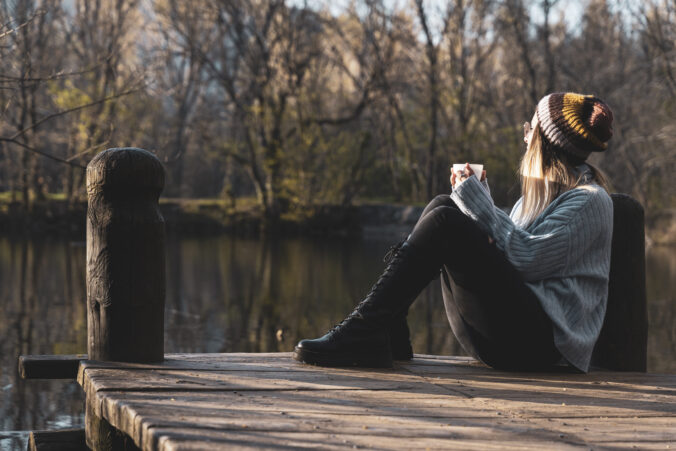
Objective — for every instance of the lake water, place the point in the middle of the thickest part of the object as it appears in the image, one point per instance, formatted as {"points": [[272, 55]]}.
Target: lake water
{"points": [[227, 294]]}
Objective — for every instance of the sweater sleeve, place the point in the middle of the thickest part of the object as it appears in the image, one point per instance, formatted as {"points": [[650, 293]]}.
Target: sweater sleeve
{"points": [[540, 252], [484, 183]]}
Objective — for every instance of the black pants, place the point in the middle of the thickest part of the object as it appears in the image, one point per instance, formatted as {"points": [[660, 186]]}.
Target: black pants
{"points": [[494, 315]]}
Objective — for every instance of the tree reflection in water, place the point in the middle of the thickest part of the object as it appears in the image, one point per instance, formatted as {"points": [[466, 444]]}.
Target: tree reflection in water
{"points": [[42, 311], [236, 294]]}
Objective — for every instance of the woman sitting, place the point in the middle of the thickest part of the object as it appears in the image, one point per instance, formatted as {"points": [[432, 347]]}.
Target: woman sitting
{"points": [[522, 291]]}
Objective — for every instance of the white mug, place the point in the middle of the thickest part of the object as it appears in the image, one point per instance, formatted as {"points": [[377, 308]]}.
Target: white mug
{"points": [[478, 169]]}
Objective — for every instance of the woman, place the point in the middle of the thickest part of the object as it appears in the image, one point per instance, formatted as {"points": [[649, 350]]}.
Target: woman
{"points": [[522, 292]]}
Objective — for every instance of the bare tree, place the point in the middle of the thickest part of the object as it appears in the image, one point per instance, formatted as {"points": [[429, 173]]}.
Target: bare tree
{"points": [[100, 35], [38, 89], [181, 78], [31, 24], [469, 52], [432, 55]]}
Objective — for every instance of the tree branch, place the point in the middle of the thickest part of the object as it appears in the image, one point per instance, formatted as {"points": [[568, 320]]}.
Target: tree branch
{"points": [[71, 110], [40, 152]]}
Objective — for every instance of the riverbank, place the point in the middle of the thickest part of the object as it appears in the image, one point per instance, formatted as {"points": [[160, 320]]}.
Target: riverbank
{"points": [[212, 216], [56, 216]]}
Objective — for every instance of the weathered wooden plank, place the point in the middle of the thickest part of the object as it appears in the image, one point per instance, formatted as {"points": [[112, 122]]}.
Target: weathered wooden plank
{"points": [[520, 401], [277, 361], [50, 366], [132, 413], [413, 422], [358, 403], [239, 400], [602, 429], [186, 439], [183, 380], [429, 366], [373, 429], [560, 391], [596, 377], [638, 445], [625, 396], [236, 362], [60, 440]]}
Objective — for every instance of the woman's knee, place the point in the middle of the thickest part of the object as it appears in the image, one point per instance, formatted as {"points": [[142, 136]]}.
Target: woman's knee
{"points": [[446, 227], [442, 200], [439, 224], [439, 200], [447, 214]]}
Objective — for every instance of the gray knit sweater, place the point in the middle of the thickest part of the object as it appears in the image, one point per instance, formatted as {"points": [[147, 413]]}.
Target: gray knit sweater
{"points": [[563, 256]]}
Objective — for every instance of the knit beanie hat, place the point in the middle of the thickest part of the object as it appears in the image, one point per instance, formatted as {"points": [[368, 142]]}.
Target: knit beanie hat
{"points": [[574, 123]]}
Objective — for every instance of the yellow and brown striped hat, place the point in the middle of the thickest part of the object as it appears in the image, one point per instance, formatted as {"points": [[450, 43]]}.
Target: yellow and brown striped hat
{"points": [[575, 123]]}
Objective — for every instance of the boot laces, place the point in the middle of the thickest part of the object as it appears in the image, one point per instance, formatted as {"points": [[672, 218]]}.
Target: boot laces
{"points": [[391, 257], [393, 251]]}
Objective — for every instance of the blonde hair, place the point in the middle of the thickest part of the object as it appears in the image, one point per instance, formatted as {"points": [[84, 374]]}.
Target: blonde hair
{"points": [[545, 174]]}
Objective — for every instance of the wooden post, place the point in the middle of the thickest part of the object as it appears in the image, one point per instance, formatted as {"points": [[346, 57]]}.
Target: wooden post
{"points": [[125, 257], [623, 343], [61, 440]]}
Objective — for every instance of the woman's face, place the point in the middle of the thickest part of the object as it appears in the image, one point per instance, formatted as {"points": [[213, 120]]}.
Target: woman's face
{"points": [[529, 128]]}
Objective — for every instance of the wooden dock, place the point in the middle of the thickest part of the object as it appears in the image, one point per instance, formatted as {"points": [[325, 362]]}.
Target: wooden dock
{"points": [[225, 401]]}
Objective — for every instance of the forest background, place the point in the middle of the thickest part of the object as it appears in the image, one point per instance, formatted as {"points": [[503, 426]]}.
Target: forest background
{"points": [[280, 106]]}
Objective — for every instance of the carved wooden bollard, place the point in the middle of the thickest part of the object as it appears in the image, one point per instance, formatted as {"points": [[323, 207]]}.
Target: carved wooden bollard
{"points": [[125, 257]]}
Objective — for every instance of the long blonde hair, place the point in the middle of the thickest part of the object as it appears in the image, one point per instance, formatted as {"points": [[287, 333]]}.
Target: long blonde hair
{"points": [[545, 174]]}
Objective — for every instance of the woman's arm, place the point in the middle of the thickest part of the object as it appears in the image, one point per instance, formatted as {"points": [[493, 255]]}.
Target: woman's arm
{"points": [[545, 249]]}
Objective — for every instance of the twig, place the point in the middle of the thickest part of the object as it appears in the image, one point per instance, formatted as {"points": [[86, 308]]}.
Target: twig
{"points": [[87, 150], [71, 110], [9, 78], [44, 154], [14, 30]]}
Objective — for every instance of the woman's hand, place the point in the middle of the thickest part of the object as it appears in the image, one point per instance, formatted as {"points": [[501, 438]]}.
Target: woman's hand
{"points": [[464, 175]]}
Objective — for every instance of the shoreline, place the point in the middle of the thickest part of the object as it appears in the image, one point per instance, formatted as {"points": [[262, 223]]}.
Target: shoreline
{"points": [[211, 216]]}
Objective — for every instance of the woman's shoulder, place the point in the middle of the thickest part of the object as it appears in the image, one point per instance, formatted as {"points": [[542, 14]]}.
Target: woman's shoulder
{"points": [[588, 197], [589, 192]]}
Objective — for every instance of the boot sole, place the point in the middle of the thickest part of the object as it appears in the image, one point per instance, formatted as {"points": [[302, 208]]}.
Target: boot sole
{"points": [[371, 360]]}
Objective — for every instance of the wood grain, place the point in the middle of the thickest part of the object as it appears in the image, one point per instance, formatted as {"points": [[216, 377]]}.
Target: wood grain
{"points": [[219, 401], [125, 256]]}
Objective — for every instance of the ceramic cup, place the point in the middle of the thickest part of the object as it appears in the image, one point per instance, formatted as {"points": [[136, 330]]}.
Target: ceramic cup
{"points": [[458, 168]]}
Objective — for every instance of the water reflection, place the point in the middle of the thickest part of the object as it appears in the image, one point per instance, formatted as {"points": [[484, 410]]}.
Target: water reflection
{"points": [[41, 312], [232, 294], [661, 290], [226, 294]]}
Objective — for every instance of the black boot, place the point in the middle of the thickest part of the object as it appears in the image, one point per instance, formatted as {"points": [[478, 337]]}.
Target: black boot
{"points": [[363, 338], [400, 336], [400, 339]]}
